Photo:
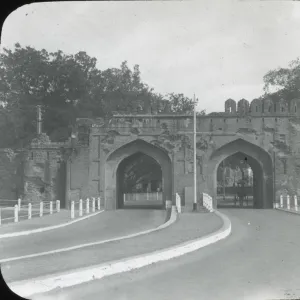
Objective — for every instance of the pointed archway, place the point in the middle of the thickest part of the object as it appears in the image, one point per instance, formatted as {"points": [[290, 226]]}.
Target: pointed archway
{"points": [[114, 160], [139, 177], [260, 162]]}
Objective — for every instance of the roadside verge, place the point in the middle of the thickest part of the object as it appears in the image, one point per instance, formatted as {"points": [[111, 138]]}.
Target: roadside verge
{"points": [[289, 211], [42, 229]]}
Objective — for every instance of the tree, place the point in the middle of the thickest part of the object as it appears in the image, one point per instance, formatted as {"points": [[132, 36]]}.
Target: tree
{"points": [[285, 81], [54, 80], [284, 78], [182, 104], [68, 86], [140, 169]]}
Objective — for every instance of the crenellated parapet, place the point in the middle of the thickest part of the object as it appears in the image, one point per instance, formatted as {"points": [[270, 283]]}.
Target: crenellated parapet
{"points": [[230, 106], [243, 107], [267, 106], [256, 107], [294, 107], [263, 107]]}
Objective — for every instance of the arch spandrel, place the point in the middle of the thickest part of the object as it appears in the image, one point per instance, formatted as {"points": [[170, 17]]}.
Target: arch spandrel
{"points": [[220, 142], [116, 149], [239, 145]]}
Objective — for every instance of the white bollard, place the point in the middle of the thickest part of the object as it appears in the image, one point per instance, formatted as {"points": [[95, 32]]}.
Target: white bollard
{"points": [[98, 203], [41, 208], [168, 204], [87, 205], [296, 202], [16, 213], [93, 204], [80, 208], [51, 207], [29, 211], [0, 217], [19, 204], [281, 201], [72, 210], [124, 198], [288, 204], [57, 205]]}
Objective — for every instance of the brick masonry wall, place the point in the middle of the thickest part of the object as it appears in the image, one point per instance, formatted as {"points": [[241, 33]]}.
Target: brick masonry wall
{"points": [[79, 175], [40, 165], [40, 172], [220, 130]]}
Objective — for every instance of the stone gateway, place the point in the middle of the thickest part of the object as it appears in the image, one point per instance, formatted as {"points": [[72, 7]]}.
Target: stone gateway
{"points": [[268, 137]]}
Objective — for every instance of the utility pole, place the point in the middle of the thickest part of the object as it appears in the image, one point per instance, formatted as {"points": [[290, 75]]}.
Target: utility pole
{"points": [[195, 158], [223, 180], [274, 168], [39, 120]]}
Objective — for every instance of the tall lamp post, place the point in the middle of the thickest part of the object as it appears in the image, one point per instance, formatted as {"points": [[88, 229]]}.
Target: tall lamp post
{"points": [[223, 180], [195, 159], [39, 119]]}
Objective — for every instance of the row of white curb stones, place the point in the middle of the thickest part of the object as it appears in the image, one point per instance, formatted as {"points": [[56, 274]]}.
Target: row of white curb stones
{"points": [[45, 284], [27, 232], [172, 219]]}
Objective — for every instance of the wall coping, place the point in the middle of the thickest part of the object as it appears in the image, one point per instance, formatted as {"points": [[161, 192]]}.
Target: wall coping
{"points": [[172, 116]]}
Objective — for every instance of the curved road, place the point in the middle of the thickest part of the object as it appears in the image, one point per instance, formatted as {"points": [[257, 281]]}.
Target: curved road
{"points": [[260, 260], [106, 225]]}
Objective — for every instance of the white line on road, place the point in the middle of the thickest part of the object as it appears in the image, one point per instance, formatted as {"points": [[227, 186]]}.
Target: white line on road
{"points": [[168, 223]]}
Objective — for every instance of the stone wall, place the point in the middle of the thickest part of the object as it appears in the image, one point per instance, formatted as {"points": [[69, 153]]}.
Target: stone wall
{"points": [[41, 168], [270, 125]]}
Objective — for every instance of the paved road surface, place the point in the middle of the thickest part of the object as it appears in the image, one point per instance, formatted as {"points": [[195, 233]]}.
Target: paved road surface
{"points": [[188, 227], [106, 225], [259, 261]]}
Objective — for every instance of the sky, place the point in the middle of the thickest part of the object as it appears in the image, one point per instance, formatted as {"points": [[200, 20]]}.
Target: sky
{"points": [[215, 49]]}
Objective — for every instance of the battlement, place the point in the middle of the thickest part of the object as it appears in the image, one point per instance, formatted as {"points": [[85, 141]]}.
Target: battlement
{"points": [[263, 107], [258, 116]]}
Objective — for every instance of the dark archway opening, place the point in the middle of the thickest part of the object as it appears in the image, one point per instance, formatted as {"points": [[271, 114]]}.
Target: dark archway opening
{"points": [[139, 182], [239, 182]]}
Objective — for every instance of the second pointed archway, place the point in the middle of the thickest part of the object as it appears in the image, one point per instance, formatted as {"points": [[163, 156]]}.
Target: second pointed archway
{"points": [[260, 162]]}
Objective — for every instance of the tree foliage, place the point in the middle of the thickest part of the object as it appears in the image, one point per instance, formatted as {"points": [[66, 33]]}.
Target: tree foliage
{"points": [[140, 169], [284, 82], [284, 78], [68, 86]]}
